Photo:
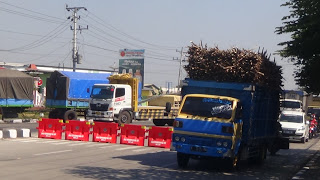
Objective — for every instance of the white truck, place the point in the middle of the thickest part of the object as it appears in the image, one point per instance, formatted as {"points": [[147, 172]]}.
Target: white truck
{"points": [[293, 100], [118, 101]]}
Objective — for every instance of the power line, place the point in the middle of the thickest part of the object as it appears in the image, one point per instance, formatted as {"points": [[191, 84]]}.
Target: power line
{"points": [[29, 16], [125, 34], [28, 34], [57, 31], [123, 41], [31, 11]]}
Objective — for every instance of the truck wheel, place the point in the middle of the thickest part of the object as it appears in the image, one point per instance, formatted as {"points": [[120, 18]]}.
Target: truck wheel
{"points": [[70, 115], [262, 155], [303, 140], [125, 118], [159, 122], [183, 160], [170, 122]]}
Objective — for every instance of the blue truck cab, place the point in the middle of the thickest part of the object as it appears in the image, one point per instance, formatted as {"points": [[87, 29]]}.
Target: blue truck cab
{"points": [[229, 121]]}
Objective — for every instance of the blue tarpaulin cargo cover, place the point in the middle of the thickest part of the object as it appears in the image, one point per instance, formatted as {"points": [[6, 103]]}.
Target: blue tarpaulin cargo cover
{"points": [[64, 85]]}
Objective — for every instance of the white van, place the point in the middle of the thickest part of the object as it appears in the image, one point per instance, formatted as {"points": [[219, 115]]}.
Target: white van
{"points": [[294, 125]]}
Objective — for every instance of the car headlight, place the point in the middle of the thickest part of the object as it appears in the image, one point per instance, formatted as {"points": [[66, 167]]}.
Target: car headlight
{"points": [[301, 128]]}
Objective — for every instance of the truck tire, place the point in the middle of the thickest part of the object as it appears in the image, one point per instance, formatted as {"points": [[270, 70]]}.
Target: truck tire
{"points": [[124, 118], [262, 155], [159, 122], [303, 140], [182, 159], [70, 115]]}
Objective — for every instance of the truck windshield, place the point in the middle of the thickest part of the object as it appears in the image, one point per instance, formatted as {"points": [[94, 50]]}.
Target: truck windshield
{"points": [[207, 107], [290, 104], [102, 92], [291, 118]]}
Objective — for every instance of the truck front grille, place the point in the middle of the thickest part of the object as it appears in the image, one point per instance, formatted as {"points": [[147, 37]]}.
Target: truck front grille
{"points": [[99, 107]]}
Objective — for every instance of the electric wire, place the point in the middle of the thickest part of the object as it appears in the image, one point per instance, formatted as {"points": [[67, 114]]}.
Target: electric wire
{"points": [[32, 11], [153, 53], [125, 34], [51, 35], [29, 16]]}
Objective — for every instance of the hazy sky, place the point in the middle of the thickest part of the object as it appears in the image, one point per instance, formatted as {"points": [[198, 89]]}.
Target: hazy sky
{"points": [[38, 31]]}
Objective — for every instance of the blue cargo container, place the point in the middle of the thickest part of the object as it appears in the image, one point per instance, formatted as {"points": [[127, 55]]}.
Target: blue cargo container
{"points": [[245, 127], [69, 92]]}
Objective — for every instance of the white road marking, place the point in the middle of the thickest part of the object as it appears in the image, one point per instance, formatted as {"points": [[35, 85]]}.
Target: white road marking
{"points": [[65, 142], [126, 148], [98, 145], [54, 152], [34, 140], [140, 150], [114, 145], [78, 144]]}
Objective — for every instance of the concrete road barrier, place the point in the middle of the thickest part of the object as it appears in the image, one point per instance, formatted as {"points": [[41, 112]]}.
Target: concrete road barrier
{"points": [[23, 132], [9, 133]]}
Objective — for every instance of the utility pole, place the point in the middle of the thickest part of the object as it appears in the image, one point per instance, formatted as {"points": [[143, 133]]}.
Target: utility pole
{"points": [[76, 58], [180, 66]]}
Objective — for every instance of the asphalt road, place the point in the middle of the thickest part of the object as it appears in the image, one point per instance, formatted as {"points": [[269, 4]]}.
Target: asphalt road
{"points": [[34, 158]]}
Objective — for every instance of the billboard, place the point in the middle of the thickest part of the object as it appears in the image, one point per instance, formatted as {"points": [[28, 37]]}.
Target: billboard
{"points": [[132, 62]]}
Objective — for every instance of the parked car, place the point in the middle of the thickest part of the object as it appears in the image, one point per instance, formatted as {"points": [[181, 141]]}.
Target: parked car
{"points": [[294, 125]]}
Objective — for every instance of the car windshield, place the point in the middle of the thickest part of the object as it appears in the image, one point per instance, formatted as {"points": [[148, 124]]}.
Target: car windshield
{"points": [[102, 92], [207, 107], [291, 118], [290, 104]]}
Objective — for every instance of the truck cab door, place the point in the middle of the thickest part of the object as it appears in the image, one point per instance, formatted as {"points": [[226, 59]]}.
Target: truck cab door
{"points": [[121, 101]]}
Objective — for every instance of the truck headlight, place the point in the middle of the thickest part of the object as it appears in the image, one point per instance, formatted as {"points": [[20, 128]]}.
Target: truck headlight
{"points": [[219, 143], [301, 128], [225, 144], [183, 139], [176, 138]]}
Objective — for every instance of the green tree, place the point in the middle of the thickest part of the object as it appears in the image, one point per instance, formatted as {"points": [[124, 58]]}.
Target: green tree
{"points": [[303, 24]]}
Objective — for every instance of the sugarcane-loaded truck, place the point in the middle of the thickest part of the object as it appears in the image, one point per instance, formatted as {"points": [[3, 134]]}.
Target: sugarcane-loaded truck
{"points": [[222, 117], [68, 93], [118, 101]]}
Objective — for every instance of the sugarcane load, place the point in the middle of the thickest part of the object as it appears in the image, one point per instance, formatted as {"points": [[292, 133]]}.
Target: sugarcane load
{"points": [[233, 65]]}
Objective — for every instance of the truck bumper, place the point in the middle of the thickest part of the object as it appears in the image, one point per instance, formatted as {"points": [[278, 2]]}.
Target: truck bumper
{"points": [[99, 118], [219, 152]]}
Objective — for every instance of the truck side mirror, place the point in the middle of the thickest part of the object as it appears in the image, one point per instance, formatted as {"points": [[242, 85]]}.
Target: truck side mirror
{"points": [[168, 107]]}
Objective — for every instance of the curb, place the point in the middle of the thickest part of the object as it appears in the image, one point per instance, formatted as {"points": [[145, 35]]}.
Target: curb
{"points": [[19, 121], [14, 133]]}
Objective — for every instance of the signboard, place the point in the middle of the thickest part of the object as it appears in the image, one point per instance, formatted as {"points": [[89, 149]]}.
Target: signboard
{"points": [[132, 62]]}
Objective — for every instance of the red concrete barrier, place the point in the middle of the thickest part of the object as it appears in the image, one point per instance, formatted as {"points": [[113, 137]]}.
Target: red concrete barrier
{"points": [[132, 134], [77, 130], [105, 132], [160, 136], [50, 128]]}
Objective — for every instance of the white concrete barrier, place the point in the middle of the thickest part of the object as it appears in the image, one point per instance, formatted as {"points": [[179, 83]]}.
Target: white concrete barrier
{"points": [[23, 132], [1, 134], [9, 133]]}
